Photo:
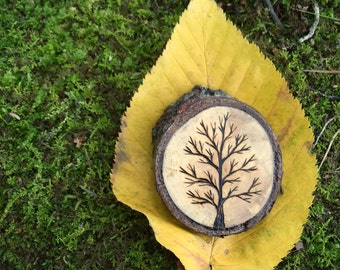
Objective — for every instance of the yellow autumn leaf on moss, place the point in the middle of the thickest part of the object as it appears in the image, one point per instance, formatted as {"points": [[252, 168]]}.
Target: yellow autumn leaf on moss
{"points": [[206, 49]]}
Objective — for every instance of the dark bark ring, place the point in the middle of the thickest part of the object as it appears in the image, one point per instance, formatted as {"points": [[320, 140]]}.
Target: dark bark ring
{"points": [[217, 163]]}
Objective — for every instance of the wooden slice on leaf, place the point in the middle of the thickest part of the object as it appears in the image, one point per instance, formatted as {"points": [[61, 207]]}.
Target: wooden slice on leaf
{"points": [[217, 163]]}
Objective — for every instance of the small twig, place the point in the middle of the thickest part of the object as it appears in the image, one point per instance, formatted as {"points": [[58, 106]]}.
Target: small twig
{"points": [[321, 16], [322, 131], [322, 71], [273, 14], [329, 96], [329, 147], [14, 115], [315, 24]]}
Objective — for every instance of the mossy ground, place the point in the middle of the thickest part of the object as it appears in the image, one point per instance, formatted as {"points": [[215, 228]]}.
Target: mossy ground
{"points": [[68, 70]]}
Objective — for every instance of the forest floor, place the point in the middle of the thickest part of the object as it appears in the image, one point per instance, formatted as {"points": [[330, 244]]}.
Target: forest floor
{"points": [[68, 70]]}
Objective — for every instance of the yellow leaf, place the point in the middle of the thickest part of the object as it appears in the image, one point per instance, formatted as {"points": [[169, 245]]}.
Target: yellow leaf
{"points": [[206, 49]]}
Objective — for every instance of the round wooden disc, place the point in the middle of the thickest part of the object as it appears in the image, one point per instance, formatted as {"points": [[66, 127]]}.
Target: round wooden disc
{"points": [[217, 163]]}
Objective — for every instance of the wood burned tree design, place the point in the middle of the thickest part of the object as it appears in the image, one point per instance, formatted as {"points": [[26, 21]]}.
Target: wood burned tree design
{"points": [[228, 158]]}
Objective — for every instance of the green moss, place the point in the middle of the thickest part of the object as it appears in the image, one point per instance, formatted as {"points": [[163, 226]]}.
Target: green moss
{"points": [[69, 69]]}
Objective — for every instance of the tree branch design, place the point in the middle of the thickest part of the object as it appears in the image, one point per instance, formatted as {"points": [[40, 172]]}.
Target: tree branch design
{"points": [[218, 149]]}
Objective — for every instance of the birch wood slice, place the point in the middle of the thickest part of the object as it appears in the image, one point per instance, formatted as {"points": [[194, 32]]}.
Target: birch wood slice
{"points": [[217, 163]]}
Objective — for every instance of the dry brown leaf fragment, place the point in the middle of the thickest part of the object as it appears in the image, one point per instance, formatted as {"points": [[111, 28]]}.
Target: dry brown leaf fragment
{"points": [[78, 140]]}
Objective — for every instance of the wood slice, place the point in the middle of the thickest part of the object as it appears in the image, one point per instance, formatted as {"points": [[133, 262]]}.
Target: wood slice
{"points": [[217, 163]]}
